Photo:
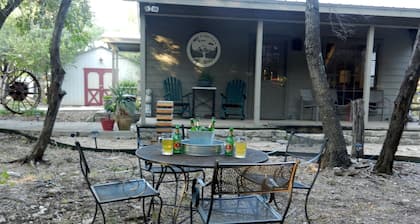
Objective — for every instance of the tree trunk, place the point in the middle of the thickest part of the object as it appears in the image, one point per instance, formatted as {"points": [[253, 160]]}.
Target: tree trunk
{"points": [[55, 93], [336, 153], [400, 112], [5, 12]]}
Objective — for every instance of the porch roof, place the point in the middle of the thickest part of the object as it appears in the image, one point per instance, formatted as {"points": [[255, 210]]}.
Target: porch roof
{"points": [[123, 43], [388, 14]]}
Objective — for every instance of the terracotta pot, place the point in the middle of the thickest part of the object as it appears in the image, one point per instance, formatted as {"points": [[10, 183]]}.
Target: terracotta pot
{"points": [[107, 124], [124, 123]]}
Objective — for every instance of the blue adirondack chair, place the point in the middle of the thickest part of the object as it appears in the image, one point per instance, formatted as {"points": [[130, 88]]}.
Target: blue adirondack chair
{"points": [[173, 92], [234, 99]]}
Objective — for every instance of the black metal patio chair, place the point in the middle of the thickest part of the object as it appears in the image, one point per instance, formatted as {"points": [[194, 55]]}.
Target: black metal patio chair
{"points": [[158, 171], [308, 150], [115, 191], [243, 193]]}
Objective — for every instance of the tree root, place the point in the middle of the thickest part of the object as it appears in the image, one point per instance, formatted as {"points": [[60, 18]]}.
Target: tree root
{"points": [[30, 160]]}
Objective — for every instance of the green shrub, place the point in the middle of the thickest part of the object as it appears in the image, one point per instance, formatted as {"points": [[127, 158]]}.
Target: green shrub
{"points": [[34, 112], [4, 112], [128, 87], [4, 177]]}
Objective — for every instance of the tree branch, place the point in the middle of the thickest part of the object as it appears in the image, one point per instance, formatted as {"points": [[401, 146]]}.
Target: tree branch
{"points": [[5, 12]]}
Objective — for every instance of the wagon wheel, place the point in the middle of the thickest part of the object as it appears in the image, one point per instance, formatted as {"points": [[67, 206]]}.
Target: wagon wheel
{"points": [[22, 92]]}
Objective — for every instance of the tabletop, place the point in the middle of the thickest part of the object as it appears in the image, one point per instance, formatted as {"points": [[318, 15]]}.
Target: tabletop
{"points": [[152, 153], [204, 88]]}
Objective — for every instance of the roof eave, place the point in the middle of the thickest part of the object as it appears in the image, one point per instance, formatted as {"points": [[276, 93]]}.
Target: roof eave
{"points": [[297, 6]]}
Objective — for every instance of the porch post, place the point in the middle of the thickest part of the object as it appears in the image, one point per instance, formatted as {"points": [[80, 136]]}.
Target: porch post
{"points": [[367, 71], [115, 77], [258, 69], [142, 81]]}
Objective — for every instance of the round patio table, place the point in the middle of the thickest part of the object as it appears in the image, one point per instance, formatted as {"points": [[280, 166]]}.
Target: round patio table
{"points": [[153, 154]]}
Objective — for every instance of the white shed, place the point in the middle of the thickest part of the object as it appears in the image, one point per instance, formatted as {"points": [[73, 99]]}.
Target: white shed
{"points": [[89, 77]]}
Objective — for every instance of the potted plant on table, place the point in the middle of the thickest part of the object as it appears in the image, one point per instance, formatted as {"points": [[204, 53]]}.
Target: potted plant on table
{"points": [[125, 107], [109, 106], [205, 79]]}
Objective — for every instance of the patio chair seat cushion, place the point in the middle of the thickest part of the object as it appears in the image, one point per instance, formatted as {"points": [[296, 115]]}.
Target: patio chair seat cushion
{"points": [[122, 190], [252, 208]]}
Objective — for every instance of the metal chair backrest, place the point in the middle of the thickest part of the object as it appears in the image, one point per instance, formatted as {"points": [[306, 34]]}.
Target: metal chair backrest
{"points": [[235, 92], [253, 178], [309, 149], [83, 163], [249, 180], [173, 89], [306, 95]]}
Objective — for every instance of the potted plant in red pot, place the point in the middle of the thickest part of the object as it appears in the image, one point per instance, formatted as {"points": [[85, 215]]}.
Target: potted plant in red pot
{"points": [[125, 107], [109, 106]]}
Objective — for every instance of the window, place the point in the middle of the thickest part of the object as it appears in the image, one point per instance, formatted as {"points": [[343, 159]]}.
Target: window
{"points": [[344, 64], [274, 58]]}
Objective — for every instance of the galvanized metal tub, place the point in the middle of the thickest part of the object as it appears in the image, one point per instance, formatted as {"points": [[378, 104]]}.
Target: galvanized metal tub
{"points": [[213, 149], [201, 137]]}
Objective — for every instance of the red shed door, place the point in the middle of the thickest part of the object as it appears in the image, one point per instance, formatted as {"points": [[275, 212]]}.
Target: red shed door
{"points": [[98, 82]]}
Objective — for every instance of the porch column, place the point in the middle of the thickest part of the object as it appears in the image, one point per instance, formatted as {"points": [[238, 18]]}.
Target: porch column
{"points": [[142, 81], [258, 69], [367, 71], [115, 77]]}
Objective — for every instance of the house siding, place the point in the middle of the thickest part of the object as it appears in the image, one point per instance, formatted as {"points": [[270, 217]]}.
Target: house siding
{"points": [[167, 39], [392, 61], [167, 57]]}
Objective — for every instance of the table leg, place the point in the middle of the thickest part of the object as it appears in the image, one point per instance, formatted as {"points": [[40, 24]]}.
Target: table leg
{"points": [[182, 196], [213, 103], [193, 103]]}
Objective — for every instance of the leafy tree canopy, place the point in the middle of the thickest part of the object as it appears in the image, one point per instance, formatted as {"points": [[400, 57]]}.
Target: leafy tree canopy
{"points": [[26, 35]]}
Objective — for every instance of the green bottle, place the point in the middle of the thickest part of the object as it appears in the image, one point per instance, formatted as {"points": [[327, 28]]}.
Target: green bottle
{"points": [[177, 141], [212, 124], [193, 127], [197, 125], [229, 143]]}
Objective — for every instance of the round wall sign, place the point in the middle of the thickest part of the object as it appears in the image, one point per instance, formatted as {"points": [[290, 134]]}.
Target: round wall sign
{"points": [[203, 49]]}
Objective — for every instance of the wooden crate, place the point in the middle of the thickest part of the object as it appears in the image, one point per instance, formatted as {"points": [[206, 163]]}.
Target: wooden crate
{"points": [[164, 116]]}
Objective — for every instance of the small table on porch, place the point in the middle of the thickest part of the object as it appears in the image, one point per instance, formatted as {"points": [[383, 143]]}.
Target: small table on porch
{"points": [[199, 88]]}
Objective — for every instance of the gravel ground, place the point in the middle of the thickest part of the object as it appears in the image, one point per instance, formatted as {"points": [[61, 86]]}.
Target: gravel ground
{"points": [[56, 193]]}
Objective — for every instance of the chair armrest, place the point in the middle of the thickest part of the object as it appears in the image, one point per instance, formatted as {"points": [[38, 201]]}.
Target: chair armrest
{"points": [[202, 183], [223, 95], [167, 96], [187, 95]]}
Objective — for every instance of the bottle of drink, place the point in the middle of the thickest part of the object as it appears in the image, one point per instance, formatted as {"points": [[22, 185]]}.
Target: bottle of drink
{"points": [[193, 127], [177, 141], [197, 125], [229, 143], [212, 124]]}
